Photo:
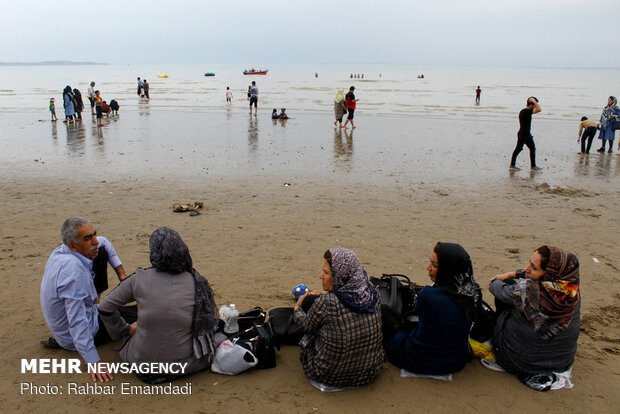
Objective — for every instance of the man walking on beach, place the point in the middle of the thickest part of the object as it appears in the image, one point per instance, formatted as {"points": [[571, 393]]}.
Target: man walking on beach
{"points": [[69, 298], [478, 92], [254, 98], [524, 135], [145, 88], [91, 97], [351, 104]]}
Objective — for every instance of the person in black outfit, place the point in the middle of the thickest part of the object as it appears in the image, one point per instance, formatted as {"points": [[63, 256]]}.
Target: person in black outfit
{"points": [[524, 136]]}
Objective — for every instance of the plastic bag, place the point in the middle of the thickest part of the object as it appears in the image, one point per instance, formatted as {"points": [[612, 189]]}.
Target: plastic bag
{"points": [[232, 359]]}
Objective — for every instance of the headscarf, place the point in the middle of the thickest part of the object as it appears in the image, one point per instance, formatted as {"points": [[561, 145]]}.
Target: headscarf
{"points": [[608, 112], [350, 282], [550, 302], [339, 96], [169, 253], [455, 278]]}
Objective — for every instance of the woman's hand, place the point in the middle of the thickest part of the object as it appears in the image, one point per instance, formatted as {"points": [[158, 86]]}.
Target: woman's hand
{"points": [[133, 328], [503, 276], [300, 301]]}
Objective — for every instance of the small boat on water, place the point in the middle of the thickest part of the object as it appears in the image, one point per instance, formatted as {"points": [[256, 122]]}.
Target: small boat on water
{"points": [[209, 74], [162, 75], [255, 72]]}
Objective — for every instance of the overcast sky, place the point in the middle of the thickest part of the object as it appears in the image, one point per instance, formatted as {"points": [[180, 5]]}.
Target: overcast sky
{"points": [[573, 33]]}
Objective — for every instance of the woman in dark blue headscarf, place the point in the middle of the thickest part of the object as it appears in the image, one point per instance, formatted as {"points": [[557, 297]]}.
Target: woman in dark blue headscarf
{"points": [[438, 345]]}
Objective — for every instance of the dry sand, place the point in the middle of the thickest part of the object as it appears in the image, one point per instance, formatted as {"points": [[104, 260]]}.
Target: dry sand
{"points": [[257, 238]]}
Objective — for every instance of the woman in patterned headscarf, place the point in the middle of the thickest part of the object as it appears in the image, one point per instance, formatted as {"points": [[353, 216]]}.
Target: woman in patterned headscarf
{"points": [[438, 344], [342, 342], [176, 309], [538, 314], [610, 112]]}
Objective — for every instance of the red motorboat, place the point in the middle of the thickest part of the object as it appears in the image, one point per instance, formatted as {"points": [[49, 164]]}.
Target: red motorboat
{"points": [[255, 72]]}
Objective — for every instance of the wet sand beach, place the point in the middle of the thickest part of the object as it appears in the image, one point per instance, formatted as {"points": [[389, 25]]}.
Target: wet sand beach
{"points": [[389, 191]]}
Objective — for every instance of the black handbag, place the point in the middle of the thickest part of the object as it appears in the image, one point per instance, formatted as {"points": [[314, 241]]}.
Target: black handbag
{"points": [[615, 124], [251, 317], [258, 339], [484, 322], [399, 294], [285, 332]]}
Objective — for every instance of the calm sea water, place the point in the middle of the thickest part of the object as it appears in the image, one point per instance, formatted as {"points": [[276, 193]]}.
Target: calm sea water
{"points": [[386, 89]]}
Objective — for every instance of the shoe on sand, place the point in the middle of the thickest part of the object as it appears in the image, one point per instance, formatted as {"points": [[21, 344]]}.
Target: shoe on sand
{"points": [[51, 343], [536, 169], [514, 168]]}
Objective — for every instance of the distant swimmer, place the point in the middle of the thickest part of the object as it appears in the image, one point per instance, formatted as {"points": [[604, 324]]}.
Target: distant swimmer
{"points": [[524, 136], [478, 92], [589, 128], [316, 75]]}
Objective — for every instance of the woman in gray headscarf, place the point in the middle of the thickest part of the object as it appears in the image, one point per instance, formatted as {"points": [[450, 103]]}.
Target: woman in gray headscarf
{"points": [[342, 345], [176, 309]]}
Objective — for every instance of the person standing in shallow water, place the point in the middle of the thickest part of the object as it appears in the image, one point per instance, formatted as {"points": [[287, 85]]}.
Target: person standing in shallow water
{"points": [[589, 130], [478, 92], [145, 89], [610, 112], [524, 136]]}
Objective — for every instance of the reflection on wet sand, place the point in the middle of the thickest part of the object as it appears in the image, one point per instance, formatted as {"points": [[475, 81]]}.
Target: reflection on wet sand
{"points": [[343, 148], [603, 165], [599, 165], [144, 108], [100, 140], [76, 135], [253, 134], [55, 131]]}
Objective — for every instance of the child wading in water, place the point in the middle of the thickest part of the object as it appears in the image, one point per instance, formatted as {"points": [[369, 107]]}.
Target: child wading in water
{"points": [[98, 109], [228, 95], [53, 109]]}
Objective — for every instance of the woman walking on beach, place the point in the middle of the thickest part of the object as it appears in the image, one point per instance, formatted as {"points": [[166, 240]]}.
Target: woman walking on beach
{"points": [[610, 112], [67, 101], [340, 107]]}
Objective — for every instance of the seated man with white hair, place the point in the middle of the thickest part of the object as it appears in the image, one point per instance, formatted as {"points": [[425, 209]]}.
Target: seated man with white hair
{"points": [[69, 298]]}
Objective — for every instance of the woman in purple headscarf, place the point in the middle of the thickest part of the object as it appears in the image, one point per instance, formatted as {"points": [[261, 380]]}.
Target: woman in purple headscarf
{"points": [[342, 342]]}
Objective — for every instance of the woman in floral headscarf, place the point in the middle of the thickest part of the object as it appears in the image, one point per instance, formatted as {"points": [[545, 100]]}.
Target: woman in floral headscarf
{"points": [[538, 314], [610, 112], [438, 344], [340, 107], [342, 342]]}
